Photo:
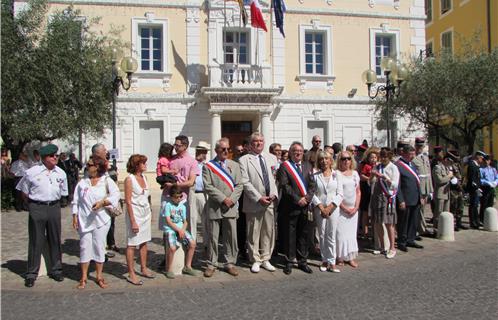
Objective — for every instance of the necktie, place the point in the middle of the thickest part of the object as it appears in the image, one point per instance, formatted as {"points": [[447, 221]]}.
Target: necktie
{"points": [[266, 181], [298, 167], [222, 164]]}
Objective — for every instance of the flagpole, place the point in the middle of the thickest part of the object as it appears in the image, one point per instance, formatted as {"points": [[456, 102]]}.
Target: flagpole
{"points": [[271, 45]]}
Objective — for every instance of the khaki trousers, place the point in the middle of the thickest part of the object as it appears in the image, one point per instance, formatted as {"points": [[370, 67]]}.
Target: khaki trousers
{"points": [[198, 214], [260, 234], [228, 228]]}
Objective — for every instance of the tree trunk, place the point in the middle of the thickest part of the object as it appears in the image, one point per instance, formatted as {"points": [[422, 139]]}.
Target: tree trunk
{"points": [[470, 139]]}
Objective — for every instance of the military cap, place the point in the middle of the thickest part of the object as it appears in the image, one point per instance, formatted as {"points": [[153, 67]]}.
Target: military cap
{"points": [[419, 141], [362, 147], [437, 149], [453, 154], [401, 143], [48, 150], [481, 153]]}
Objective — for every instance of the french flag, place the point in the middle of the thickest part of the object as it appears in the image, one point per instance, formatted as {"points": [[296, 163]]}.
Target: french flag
{"points": [[257, 20]]}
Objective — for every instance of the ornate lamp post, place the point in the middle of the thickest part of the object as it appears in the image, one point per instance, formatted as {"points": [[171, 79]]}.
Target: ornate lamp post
{"points": [[121, 67], [395, 74]]}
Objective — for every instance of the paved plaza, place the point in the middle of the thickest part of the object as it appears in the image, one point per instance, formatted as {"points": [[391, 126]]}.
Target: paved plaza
{"points": [[446, 280]]}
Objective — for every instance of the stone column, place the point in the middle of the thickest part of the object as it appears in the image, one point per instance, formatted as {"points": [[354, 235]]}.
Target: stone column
{"points": [[265, 126], [215, 130]]}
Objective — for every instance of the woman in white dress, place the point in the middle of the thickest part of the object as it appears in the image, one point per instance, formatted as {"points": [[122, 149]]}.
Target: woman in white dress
{"points": [[138, 217], [326, 201], [90, 218], [347, 225]]}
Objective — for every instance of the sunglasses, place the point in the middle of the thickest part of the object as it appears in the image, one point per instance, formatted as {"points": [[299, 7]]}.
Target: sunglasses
{"points": [[346, 158], [224, 149], [53, 155]]}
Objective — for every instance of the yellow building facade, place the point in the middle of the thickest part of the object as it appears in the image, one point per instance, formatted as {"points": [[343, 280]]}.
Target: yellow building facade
{"points": [[452, 23], [203, 74]]}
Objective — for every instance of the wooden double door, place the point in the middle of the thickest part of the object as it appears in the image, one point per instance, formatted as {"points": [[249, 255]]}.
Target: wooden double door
{"points": [[236, 131]]}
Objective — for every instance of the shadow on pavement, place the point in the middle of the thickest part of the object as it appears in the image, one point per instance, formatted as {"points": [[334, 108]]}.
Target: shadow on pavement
{"points": [[16, 266]]}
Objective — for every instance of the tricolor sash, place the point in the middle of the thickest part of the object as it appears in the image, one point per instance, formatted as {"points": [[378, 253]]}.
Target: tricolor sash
{"points": [[407, 167], [298, 179], [390, 195], [221, 173]]}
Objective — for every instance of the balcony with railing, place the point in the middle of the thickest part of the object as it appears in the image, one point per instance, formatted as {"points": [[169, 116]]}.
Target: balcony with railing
{"points": [[231, 75]]}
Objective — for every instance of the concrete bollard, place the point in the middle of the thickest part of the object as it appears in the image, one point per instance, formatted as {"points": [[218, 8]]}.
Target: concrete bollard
{"points": [[491, 219], [445, 230], [178, 260]]}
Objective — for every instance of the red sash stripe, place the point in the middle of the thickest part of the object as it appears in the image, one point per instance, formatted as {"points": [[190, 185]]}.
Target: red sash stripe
{"points": [[296, 177], [222, 174]]}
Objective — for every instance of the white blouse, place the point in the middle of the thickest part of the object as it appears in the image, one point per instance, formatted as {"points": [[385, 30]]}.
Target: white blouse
{"points": [[330, 191], [391, 174], [86, 195]]}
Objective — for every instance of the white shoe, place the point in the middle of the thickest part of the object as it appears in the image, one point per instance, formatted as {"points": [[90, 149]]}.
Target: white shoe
{"points": [[267, 265], [391, 254], [255, 267]]}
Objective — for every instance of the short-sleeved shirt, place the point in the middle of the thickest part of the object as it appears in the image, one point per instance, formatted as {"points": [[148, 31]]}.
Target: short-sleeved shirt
{"points": [[185, 165], [41, 184], [162, 162], [177, 214]]}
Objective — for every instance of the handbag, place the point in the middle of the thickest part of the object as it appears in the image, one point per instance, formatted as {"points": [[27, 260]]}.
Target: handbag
{"points": [[112, 211]]}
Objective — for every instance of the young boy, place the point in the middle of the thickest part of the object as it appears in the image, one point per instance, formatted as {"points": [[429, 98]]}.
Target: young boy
{"points": [[175, 232]]}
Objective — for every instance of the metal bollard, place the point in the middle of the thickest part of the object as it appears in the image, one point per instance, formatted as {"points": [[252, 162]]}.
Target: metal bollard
{"points": [[445, 230], [491, 219]]}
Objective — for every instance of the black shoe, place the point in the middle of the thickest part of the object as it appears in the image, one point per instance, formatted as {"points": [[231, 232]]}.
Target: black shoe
{"points": [[29, 282], [58, 277], [418, 238], [414, 245], [288, 268], [110, 254], [462, 227], [305, 268], [402, 248]]}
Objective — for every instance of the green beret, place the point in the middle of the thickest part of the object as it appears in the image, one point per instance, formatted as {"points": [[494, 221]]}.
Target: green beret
{"points": [[48, 150]]}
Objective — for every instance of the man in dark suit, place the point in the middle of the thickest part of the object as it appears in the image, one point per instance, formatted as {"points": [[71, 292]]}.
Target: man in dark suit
{"points": [[294, 218], [408, 200], [474, 187]]}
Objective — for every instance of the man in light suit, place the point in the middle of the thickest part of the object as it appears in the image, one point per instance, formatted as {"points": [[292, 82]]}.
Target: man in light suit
{"points": [[222, 184], [423, 165], [295, 178], [260, 196], [442, 175]]}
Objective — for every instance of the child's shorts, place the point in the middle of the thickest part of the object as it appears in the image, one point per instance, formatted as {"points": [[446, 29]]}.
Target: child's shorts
{"points": [[171, 239]]}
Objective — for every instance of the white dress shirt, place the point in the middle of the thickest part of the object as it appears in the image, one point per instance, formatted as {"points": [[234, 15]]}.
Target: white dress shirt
{"points": [[19, 167], [41, 184], [86, 195]]}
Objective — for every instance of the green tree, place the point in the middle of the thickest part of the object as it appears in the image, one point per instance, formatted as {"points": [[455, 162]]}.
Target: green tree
{"points": [[56, 75], [453, 95]]}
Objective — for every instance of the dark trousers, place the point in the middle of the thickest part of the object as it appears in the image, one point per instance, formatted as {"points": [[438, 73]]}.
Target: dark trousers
{"points": [[241, 228], [110, 234], [487, 200], [44, 225], [407, 224], [294, 236], [473, 209]]}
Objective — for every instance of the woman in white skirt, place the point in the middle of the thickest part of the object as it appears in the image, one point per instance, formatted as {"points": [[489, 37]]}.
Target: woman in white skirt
{"points": [[326, 201], [138, 217], [347, 224], [90, 218]]}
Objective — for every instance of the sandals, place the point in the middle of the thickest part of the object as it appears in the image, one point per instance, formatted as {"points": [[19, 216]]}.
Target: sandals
{"points": [[82, 284], [101, 283], [138, 283], [353, 264], [148, 274]]}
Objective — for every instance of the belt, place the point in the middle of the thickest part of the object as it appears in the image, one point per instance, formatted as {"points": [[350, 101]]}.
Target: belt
{"points": [[199, 191], [45, 203]]}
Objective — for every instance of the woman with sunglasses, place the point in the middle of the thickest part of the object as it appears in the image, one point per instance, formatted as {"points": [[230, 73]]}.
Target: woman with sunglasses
{"points": [[326, 201], [347, 223], [384, 181], [91, 196]]}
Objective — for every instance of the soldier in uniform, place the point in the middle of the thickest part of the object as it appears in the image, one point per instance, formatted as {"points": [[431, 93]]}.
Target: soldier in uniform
{"points": [[423, 165], [456, 189]]}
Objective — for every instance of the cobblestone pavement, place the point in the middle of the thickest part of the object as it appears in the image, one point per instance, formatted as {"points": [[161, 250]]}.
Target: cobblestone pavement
{"points": [[446, 280]]}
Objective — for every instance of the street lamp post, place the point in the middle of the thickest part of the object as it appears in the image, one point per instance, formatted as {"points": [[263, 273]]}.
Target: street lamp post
{"points": [[121, 68], [395, 74]]}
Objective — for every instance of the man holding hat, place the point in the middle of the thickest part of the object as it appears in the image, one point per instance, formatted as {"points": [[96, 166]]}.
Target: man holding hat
{"points": [[423, 165], [489, 180], [474, 187], [197, 196], [456, 189], [43, 186]]}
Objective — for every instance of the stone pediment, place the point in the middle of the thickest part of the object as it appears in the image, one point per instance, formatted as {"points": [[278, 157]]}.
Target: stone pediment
{"points": [[250, 98]]}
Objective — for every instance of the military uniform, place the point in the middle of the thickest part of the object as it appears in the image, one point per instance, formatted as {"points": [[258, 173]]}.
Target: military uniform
{"points": [[423, 165], [456, 191]]}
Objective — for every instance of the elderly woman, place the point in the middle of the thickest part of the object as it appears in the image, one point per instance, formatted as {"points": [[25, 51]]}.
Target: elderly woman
{"points": [[385, 181], [138, 217], [347, 225], [90, 218], [326, 201]]}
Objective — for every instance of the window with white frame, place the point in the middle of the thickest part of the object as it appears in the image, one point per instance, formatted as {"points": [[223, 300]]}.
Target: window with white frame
{"points": [[314, 52], [447, 41], [150, 45], [151, 48], [236, 44], [428, 11], [384, 47], [445, 6]]}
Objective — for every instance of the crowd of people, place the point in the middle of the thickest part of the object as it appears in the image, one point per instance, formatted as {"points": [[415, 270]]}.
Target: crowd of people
{"points": [[255, 204]]}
